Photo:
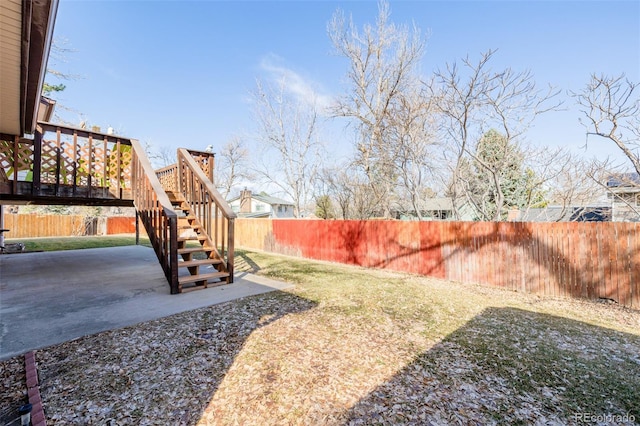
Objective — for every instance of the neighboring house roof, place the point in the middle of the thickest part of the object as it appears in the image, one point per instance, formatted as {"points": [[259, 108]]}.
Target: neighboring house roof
{"points": [[427, 204], [623, 180], [265, 199], [568, 214], [441, 203], [272, 200], [26, 30], [254, 215], [549, 214]]}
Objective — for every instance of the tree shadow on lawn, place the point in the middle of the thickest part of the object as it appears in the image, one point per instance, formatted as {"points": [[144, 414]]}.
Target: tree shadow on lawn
{"points": [[510, 366], [127, 376]]}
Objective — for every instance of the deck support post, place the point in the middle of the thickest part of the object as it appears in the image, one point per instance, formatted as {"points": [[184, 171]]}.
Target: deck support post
{"points": [[137, 228], [1, 225]]}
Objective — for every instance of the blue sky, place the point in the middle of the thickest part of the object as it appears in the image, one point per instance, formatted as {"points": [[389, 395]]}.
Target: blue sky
{"points": [[179, 73]]}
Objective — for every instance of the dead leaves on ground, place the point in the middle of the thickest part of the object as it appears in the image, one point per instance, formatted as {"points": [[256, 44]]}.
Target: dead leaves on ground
{"points": [[281, 359]]}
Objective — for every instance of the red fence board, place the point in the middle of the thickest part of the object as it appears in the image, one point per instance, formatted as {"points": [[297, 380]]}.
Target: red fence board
{"points": [[121, 225], [589, 260], [634, 276]]}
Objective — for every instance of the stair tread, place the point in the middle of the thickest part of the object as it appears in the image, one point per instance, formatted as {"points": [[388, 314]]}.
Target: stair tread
{"points": [[175, 195], [199, 262], [194, 226], [194, 249], [202, 277], [192, 238]]}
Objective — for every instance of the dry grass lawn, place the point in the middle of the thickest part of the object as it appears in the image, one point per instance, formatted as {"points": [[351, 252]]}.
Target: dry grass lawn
{"points": [[354, 346]]}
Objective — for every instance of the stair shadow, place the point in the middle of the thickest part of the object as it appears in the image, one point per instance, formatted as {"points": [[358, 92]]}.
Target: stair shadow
{"points": [[244, 263], [509, 366]]}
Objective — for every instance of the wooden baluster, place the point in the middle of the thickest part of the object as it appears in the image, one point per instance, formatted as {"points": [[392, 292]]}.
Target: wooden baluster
{"points": [[75, 162], [118, 169], [105, 164], [90, 165], [16, 150], [58, 159], [37, 161]]}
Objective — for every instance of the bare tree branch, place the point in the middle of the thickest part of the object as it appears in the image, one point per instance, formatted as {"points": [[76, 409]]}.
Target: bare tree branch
{"points": [[288, 128], [383, 61], [232, 166], [611, 108], [472, 100]]}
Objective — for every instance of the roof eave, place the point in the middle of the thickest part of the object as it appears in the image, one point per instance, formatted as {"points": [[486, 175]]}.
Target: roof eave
{"points": [[38, 21]]}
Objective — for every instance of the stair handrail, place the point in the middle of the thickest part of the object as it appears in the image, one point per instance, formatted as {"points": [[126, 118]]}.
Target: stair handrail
{"points": [[156, 212], [200, 192]]}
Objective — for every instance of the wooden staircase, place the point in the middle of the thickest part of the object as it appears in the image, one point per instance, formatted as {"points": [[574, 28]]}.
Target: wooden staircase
{"points": [[198, 253], [189, 223]]}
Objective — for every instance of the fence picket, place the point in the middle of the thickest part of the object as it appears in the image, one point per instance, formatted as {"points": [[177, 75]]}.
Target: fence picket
{"points": [[634, 276]]}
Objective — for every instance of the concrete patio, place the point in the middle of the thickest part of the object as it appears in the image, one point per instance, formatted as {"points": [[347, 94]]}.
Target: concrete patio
{"points": [[52, 297]]}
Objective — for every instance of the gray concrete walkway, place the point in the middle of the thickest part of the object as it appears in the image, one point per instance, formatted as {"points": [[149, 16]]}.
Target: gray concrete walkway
{"points": [[53, 297]]}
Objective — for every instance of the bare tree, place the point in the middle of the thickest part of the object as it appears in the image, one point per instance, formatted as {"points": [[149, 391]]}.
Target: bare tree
{"points": [[59, 54], [413, 133], [349, 189], [288, 130], [383, 63], [55, 79], [565, 180], [611, 107], [621, 187], [159, 157], [473, 99], [232, 166]]}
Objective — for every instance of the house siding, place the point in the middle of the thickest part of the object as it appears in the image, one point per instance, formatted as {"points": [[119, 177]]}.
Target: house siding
{"points": [[280, 211]]}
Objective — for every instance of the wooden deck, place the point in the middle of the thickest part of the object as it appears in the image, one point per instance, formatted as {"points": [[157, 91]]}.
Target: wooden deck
{"points": [[72, 166], [64, 195], [65, 165]]}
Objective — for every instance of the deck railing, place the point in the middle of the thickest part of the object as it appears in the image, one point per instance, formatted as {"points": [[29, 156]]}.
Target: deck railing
{"points": [[69, 162], [168, 177], [155, 211], [195, 182]]}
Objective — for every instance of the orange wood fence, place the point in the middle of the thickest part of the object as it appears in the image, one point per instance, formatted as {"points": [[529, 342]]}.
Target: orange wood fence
{"points": [[122, 225], [38, 225], [52, 225], [569, 259]]}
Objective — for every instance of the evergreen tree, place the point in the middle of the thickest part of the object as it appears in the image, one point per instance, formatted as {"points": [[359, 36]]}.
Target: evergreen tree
{"points": [[498, 178]]}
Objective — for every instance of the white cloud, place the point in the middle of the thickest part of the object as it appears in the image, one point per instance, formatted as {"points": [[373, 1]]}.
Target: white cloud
{"points": [[304, 90]]}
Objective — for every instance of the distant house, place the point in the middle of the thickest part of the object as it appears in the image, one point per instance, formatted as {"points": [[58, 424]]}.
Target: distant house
{"points": [[624, 194], [260, 205], [591, 213], [437, 208]]}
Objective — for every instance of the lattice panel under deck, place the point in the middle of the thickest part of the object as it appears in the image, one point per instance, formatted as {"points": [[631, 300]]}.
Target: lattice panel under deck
{"points": [[87, 160], [24, 157], [124, 176]]}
